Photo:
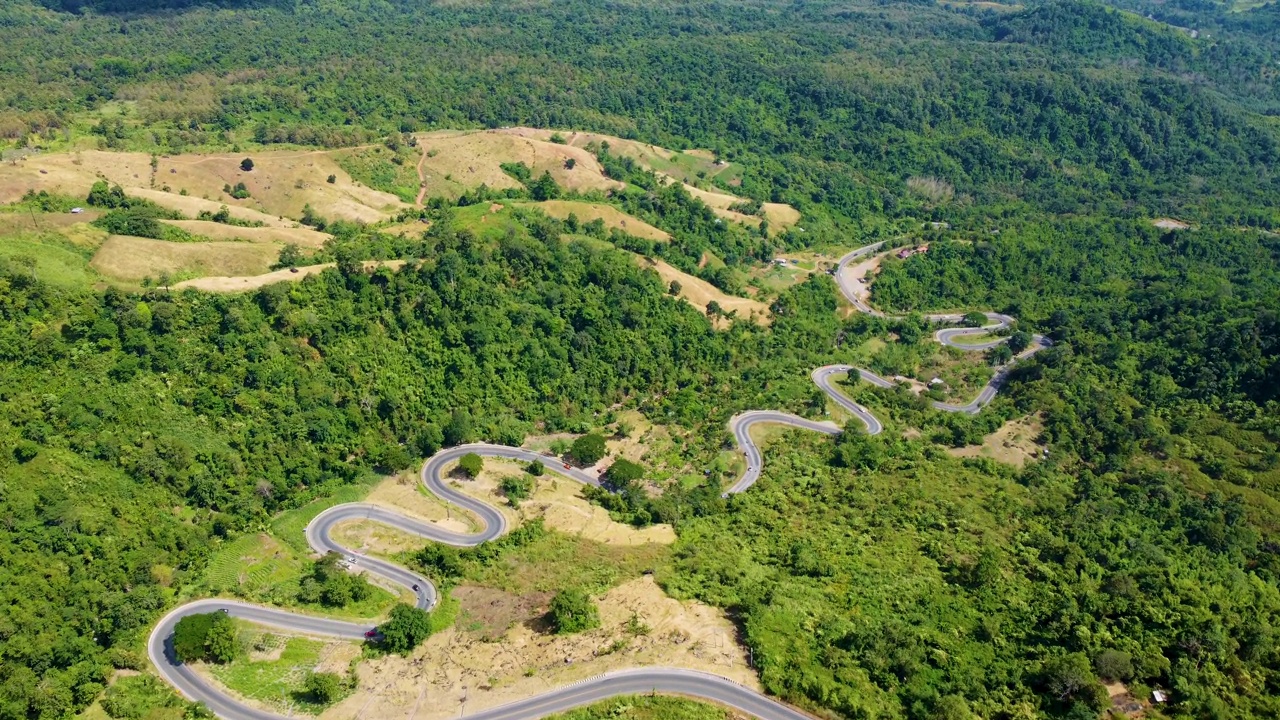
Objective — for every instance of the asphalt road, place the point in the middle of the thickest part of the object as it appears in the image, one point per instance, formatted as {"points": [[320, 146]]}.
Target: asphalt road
{"points": [[690, 683]]}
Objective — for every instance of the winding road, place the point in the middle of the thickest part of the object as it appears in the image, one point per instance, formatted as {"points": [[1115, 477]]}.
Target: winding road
{"points": [[319, 533]]}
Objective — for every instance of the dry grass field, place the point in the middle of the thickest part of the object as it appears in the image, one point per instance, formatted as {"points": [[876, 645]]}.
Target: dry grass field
{"points": [[131, 259], [611, 216], [458, 161], [303, 237], [280, 184], [698, 292]]}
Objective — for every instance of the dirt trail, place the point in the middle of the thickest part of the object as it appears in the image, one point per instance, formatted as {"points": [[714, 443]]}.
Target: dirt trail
{"points": [[422, 179]]}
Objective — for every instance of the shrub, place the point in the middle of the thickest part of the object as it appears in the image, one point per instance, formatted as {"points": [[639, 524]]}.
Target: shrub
{"points": [[26, 451], [407, 627], [536, 468], [246, 165], [588, 449], [332, 179], [323, 687], [471, 464], [572, 611], [516, 488]]}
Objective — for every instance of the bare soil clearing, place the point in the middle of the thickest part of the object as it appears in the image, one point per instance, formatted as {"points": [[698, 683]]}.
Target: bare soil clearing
{"points": [[459, 670], [130, 259], [1013, 443], [243, 283], [611, 216], [698, 292], [301, 236], [1170, 224]]}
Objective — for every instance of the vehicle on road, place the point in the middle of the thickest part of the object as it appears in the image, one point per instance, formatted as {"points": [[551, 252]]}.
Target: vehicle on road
{"points": [[372, 634], [416, 588]]}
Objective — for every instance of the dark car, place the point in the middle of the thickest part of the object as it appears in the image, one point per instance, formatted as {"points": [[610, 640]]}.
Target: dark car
{"points": [[415, 588]]}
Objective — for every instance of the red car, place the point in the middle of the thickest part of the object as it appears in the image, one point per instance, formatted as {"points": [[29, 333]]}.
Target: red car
{"points": [[371, 634]]}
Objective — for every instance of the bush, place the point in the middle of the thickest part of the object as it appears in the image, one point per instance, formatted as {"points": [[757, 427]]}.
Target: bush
{"points": [[332, 179], [516, 488], [331, 585], [407, 627], [25, 451], [536, 468], [246, 165], [471, 464], [588, 449], [323, 687], [572, 611]]}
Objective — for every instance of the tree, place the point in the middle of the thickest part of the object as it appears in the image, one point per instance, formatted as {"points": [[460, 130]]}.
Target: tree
{"points": [[405, 629], [1114, 665], [572, 611], [714, 309], [331, 179], [536, 468], [674, 288], [471, 464], [246, 165], [544, 188], [1019, 341], [999, 355], [570, 164], [588, 449], [290, 254], [1069, 676], [458, 430], [323, 687], [189, 635], [622, 473], [221, 643], [974, 319]]}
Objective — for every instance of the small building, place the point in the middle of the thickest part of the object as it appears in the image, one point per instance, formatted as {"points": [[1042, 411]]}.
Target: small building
{"points": [[780, 261]]}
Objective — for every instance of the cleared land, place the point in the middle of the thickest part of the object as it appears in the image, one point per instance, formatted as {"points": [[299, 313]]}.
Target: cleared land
{"points": [[459, 161], [131, 259], [698, 293], [1014, 443], [465, 662], [280, 184], [686, 165], [301, 236], [611, 216], [243, 283]]}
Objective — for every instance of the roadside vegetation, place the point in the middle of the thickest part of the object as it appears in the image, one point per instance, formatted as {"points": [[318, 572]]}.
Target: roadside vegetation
{"points": [[158, 444]]}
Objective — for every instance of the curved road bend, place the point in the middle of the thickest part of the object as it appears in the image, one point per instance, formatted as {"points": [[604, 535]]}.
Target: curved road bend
{"points": [[691, 683]]}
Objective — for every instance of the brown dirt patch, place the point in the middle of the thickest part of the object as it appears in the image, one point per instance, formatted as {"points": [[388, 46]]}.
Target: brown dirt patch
{"points": [[457, 666], [244, 283], [300, 236], [130, 259], [698, 292], [1013, 443], [490, 613], [16, 222], [1170, 224], [611, 216]]}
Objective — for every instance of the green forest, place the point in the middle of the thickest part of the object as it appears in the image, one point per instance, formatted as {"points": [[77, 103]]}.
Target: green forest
{"points": [[1031, 147]]}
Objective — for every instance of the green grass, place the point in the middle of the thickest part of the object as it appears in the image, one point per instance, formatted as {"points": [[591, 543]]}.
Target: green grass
{"points": [[976, 339], [558, 561], [486, 225], [278, 683], [645, 707], [375, 168], [55, 263], [290, 526]]}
